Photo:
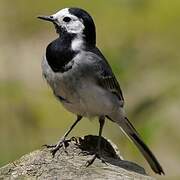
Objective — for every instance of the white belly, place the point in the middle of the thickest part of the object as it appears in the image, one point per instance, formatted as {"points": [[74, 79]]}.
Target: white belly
{"points": [[83, 96]]}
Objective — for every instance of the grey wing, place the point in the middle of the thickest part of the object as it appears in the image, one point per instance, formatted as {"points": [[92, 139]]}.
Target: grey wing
{"points": [[107, 80], [104, 75]]}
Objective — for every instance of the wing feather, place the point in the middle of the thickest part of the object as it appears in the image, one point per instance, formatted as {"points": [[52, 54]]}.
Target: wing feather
{"points": [[106, 78]]}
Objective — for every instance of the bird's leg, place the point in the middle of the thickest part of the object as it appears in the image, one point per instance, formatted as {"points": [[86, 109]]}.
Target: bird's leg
{"points": [[62, 141], [98, 153]]}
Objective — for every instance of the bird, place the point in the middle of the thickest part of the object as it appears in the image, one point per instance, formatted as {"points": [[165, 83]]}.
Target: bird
{"points": [[83, 81]]}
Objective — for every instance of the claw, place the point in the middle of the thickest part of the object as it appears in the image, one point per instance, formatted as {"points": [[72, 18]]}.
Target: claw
{"points": [[49, 146], [54, 150], [62, 143], [74, 139], [90, 162], [57, 147]]}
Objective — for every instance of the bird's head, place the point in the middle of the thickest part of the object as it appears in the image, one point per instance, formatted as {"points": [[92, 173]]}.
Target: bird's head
{"points": [[73, 21]]}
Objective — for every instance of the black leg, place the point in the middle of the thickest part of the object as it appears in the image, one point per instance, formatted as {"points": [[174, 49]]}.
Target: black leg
{"points": [[101, 124], [62, 141], [77, 120], [98, 153]]}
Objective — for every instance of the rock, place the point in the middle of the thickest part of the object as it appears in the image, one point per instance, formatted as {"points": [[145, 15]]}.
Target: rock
{"points": [[70, 164]]}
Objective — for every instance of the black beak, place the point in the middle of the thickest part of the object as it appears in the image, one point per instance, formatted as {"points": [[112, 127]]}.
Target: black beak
{"points": [[47, 18]]}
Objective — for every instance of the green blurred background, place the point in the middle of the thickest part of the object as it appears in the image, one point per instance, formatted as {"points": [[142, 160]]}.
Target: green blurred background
{"points": [[141, 40]]}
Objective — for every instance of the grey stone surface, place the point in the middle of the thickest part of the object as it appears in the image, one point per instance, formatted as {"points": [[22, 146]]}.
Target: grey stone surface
{"points": [[69, 165]]}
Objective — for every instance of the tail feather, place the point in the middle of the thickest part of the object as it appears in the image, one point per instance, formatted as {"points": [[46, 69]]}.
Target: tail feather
{"points": [[129, 130]]}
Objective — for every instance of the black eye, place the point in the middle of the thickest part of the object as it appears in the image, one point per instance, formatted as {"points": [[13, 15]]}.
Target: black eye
{"points": [[66, 19]]}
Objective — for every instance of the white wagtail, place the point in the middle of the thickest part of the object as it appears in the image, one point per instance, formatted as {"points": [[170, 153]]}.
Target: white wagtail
{"points": [[82, 79]]}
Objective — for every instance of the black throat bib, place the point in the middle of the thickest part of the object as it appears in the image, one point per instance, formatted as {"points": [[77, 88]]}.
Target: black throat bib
{"points": [[59, 53]]}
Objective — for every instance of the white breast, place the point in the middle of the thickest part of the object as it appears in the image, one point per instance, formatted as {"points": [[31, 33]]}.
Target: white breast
{"points": [[85, 97], [63, 84]]}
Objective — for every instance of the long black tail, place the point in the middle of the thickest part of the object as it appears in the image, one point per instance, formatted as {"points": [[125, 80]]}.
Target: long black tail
{"points": [[129, 130]]}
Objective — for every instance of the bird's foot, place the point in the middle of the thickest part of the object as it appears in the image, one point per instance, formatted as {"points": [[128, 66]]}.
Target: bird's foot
{"points": [[63, 143], [49, 145], [96, 155]]}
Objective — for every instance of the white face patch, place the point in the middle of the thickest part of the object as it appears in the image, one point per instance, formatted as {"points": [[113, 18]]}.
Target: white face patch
{"points": [[77, 44], [75, 25]]}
